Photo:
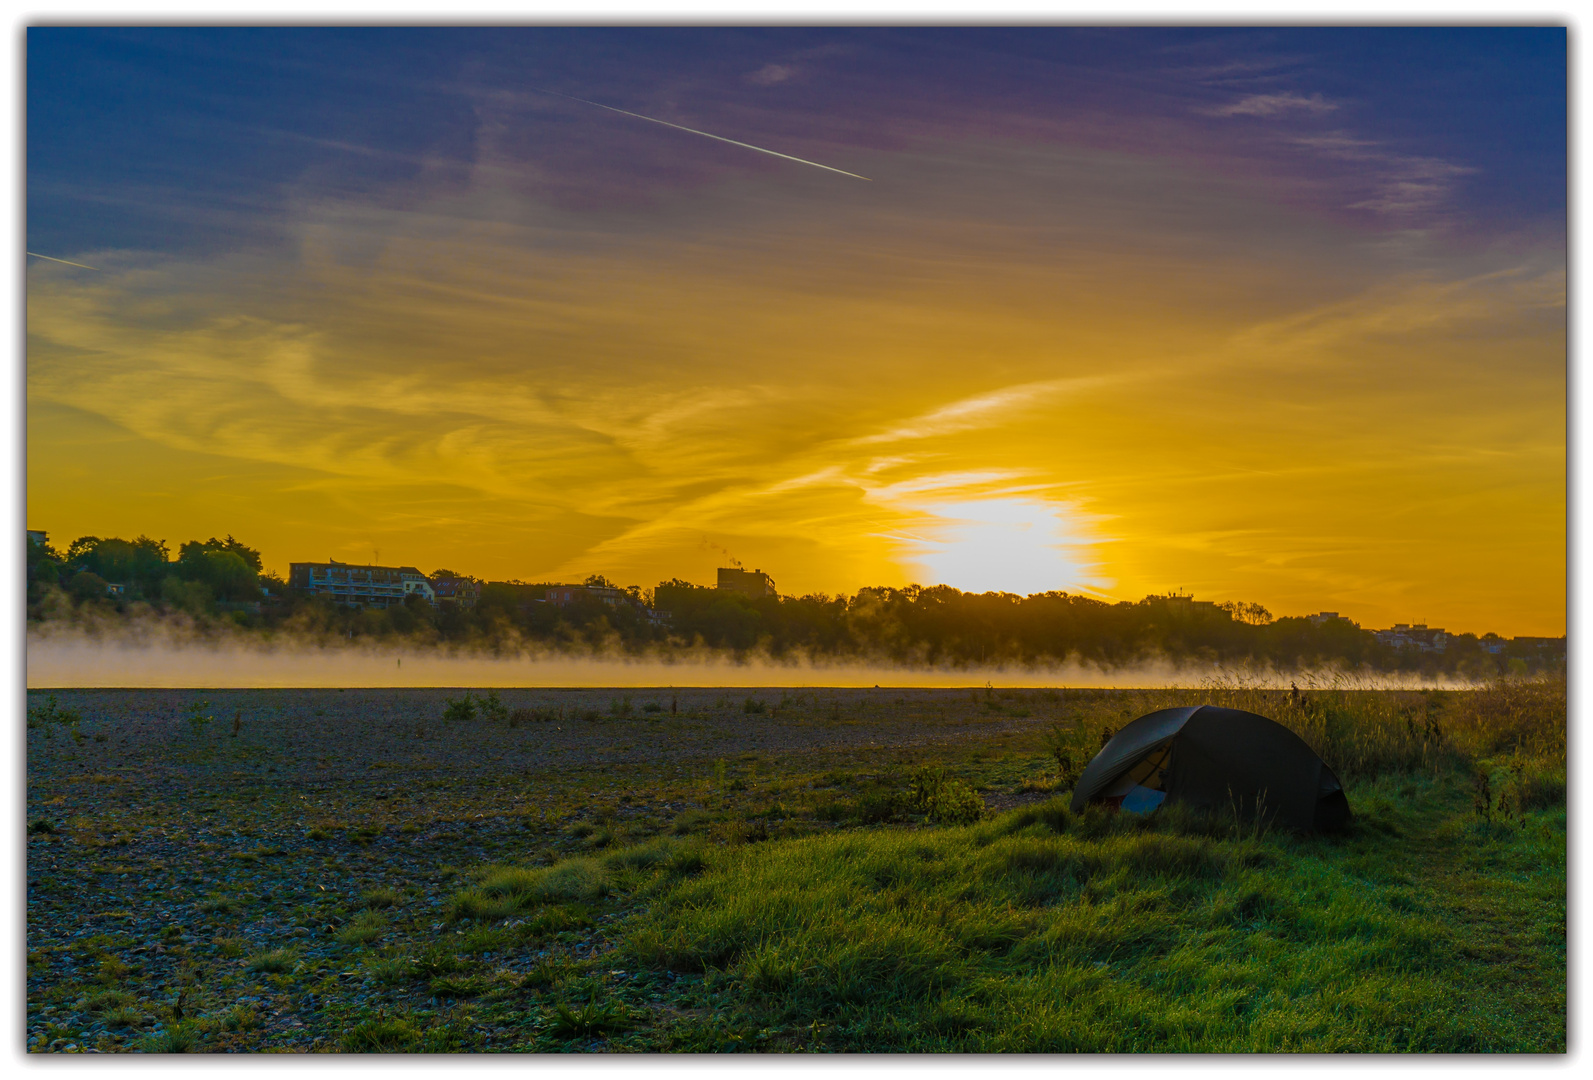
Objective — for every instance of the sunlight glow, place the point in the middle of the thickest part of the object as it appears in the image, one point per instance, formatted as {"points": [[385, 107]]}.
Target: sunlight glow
{"points": [[1015, 544]]}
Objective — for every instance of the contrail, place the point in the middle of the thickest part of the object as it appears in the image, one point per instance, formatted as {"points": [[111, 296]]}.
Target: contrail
{"points": [[68, 262], [704, 134]]}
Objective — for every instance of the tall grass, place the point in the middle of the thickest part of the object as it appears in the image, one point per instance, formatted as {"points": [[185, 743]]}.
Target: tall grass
{"points": [[1364, 733]]}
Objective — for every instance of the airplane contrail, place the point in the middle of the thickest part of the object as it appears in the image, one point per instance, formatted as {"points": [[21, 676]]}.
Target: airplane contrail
{"points": [[68, 262], [704, 134]]}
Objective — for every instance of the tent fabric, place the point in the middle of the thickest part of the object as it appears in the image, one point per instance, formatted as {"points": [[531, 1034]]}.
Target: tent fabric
{"points": [[1217, 759]]}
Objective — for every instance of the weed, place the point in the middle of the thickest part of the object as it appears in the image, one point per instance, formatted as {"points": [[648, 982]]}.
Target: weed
{"points": [[620, 707], [588, 1019], [458, 986], [240, 1018], [198, 719], [391, 970], [753, 706], [51, 713], [125, 1016], [943, 801], [381, 1035], [382, 898], [230, 947], [177, 1039], [273, 961], [460, 710], [366, 927]]}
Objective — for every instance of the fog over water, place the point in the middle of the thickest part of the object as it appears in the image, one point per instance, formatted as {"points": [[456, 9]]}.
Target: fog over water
{"points": [[63, 659]]}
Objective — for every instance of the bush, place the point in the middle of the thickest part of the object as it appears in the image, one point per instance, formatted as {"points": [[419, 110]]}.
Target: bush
{"points": [[460, 710], [943, 801]]}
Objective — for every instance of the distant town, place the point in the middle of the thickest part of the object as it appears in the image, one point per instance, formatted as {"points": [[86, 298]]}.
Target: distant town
{"points": [[223, 579]]}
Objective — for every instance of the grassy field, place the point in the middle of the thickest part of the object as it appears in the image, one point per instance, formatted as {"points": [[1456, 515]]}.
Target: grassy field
{"points": [[779, 870]]}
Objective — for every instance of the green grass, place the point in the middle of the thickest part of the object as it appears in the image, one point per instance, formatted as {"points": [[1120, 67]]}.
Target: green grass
{"points": [[1041, 931]]}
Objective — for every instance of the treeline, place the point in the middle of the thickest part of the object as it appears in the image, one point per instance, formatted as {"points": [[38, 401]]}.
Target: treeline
{"points": [[218, 582]]}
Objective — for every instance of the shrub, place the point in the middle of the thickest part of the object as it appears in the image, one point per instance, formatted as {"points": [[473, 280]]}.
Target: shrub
{"points": [[491, 708], [460, 710], [943, 801], [752, 706], [52, 713]]}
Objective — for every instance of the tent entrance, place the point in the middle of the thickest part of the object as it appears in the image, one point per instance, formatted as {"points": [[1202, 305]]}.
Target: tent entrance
{"points": [[1142, 787]]}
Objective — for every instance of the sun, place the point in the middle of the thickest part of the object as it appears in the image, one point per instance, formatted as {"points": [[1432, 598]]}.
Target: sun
{"points": [[1013, 544]]}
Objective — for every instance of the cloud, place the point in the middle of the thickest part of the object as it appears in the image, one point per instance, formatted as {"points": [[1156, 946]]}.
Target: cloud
{"points": [[770, 74], [1275, 105]]}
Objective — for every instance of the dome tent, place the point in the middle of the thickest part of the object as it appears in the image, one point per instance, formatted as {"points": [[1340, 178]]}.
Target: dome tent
{"points": [[1215, 759]]}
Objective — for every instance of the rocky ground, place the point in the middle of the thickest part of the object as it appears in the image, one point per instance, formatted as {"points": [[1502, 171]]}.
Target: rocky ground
{"points": [[272, 869]]}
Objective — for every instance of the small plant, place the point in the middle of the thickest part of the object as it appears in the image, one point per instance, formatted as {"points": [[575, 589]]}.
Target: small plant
{"points": [[391, 970], [237, 723], [124, 1016], [177, 1039], [652, 707], [230, 947], [382, 898], [620, 707], [491, 708], [198, 718], [584, 1021], [1482, 794], [1057, 742], [42, 827], [460, 710], [51, 713], [753, 706], [381, 1036], [365, 928], [943, 801], [273, 961], [240, 1018]]}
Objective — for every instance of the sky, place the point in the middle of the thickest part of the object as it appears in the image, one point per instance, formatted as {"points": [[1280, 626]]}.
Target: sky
{"points": [[1265, 315]]}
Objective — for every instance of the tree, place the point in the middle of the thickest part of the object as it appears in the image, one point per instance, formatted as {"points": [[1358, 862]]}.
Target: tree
{"points": [[249, 555], [227, 573]]}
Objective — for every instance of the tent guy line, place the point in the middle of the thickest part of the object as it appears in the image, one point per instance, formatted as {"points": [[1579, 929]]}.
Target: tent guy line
{"points": [[704, 134], [52, 258]]}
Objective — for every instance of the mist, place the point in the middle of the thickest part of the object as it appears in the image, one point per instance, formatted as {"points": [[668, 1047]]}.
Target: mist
{"points": [[154, 658]]}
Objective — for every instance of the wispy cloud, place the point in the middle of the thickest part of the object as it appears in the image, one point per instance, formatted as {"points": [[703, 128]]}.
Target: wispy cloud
{"points": [[1276, 104]]}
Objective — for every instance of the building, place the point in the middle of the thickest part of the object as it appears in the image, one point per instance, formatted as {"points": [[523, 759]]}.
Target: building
{"points": [[753, 583], [1551, 646], [1327, 617], [39, 537], [1417, 636], [565, 595], [359, 585], [1178, 603], [453, 589]]}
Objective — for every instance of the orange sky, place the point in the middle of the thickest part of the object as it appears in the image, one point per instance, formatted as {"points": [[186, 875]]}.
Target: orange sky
{"points": [[999, 364]]}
